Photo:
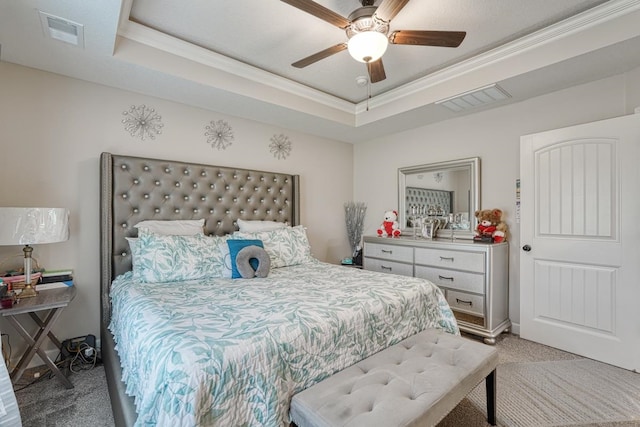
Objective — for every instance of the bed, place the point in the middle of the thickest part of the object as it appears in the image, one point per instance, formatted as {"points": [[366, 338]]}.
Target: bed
{"points": [[223, 351]]}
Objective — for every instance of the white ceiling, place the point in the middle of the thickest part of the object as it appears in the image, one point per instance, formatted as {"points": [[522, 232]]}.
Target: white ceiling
{"points": [[235, 57]]}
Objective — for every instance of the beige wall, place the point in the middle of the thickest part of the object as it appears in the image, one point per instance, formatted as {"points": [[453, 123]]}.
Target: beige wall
{"points": [[494, 136], [53, 129]]}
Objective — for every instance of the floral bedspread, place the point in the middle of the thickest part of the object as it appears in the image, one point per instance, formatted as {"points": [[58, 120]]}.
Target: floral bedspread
{"points": [[232, 352]]}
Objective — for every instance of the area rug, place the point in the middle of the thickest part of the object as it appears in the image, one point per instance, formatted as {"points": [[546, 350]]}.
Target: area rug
{"points": [[563, 393]]}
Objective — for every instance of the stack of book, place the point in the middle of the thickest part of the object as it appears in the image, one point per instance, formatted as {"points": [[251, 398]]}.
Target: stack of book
{"points": [[52, 279]]}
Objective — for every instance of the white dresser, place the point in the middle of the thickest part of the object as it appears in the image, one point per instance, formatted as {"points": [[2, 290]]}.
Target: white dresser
{"points": [[473, 276]]}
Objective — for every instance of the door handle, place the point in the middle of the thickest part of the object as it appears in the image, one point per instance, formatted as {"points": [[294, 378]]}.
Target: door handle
{"points": [[526, 248]]}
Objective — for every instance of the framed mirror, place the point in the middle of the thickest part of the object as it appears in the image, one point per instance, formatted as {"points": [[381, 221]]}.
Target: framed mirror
{"points": [[440, 189]]}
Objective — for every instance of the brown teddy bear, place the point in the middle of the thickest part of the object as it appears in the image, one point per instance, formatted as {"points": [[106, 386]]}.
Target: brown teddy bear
{"points": [[490, 224]]}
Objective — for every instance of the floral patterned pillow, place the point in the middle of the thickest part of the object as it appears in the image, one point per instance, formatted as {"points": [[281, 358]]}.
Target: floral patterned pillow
{"points": [[159, 258], [285, 246]]}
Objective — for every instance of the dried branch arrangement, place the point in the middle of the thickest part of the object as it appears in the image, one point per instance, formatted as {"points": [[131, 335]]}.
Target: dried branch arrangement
{"points": [[354, 213]]}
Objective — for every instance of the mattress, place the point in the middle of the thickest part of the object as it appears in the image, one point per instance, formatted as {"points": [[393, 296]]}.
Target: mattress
{"points": [[234, 351]]}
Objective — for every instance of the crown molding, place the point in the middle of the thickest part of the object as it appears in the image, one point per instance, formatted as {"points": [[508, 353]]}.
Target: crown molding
{"points": [[139, 33], [581, 22], [392, 99]]}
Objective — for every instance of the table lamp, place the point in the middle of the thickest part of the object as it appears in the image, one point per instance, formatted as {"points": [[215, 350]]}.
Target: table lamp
{"points": [[32, 226]]}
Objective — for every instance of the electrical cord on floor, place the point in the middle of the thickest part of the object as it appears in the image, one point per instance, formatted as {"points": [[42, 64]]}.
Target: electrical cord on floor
{"points": [[85, 358], [82, 358]]}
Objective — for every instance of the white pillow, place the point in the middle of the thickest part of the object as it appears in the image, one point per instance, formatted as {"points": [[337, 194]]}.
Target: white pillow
{"points": [[179, 227], [257, 226], [285, 246]]}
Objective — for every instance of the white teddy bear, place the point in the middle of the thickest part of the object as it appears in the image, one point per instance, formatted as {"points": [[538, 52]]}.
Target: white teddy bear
{"points": [[390, 226]]}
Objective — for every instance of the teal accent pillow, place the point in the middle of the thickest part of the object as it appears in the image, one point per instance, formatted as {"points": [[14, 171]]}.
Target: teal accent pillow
{"points": [[235, 245]]}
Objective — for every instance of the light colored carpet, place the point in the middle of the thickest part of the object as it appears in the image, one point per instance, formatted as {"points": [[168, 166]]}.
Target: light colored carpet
{"points": [[48, 403], [563, 393]]}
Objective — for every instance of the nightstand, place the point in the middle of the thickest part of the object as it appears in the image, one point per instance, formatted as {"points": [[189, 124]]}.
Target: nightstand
{"points": [[51, 301]]}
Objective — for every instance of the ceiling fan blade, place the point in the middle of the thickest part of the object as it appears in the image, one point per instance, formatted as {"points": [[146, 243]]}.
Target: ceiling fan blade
{"points": [[319, 11], [428, 38], [376, 71], [320, 55], [390, 8]]}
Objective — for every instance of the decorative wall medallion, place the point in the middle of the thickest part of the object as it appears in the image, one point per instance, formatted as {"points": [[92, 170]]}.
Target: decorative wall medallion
{"points": [[280, 146], [142, 122], [437, 176], [219, 134]]}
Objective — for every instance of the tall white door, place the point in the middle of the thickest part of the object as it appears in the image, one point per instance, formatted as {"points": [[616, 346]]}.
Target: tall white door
{"points": [[580, 235]]}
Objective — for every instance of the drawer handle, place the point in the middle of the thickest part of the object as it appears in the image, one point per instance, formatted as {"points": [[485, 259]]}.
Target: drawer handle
{"points": [[386, 268], [386, 251], [460, 301], [445, 278], [446, 258]]}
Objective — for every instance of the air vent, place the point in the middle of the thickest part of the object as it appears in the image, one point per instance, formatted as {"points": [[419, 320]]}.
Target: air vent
{"points": [[474, 98], [62, 29]]}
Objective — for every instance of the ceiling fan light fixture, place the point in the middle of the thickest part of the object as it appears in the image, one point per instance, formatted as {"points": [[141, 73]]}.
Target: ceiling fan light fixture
{"points": [[367, 46]]}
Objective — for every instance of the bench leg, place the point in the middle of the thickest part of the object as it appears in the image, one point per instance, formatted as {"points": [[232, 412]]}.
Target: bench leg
{"points": [[490, 383]]}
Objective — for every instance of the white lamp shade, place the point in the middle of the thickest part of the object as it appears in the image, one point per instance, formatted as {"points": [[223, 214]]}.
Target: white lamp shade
{"points": [[368, 46], [27, 226]]}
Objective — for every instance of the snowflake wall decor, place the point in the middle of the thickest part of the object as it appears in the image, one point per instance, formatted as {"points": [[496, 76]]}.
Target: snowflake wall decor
{"points": [[142, 121], [219, 134], [280, 146]]}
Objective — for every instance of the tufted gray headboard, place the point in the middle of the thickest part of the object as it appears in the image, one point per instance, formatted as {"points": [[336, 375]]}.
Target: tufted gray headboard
{"points": [[426, 198], [134, 189]]}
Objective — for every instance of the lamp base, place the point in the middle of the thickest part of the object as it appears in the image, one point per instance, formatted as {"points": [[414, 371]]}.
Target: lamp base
{"points": [[27, 292]]}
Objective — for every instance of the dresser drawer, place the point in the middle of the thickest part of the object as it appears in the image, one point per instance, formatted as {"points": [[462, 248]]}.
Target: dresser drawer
{"points": [[461, 301], [471, 282], [392, 252], [468, 261], [384, 266]]}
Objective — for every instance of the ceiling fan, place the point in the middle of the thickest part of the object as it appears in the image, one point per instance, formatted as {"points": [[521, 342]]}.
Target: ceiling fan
{"points": [[367, 29]]}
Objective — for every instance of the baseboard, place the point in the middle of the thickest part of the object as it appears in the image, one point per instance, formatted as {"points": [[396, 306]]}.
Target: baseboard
{"points": [[515, 328]]}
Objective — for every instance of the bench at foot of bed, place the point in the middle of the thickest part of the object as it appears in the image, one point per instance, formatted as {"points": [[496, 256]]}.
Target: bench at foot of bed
{"points": [[416, 382]]}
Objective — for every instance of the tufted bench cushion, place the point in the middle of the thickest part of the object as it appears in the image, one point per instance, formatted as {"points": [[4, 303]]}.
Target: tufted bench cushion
{"points": [[416, 382]]}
